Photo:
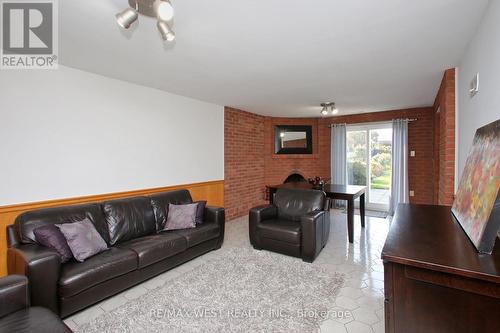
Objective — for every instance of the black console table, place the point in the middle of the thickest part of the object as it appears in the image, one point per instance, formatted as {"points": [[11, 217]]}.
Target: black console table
{"points": [[435, 280]]}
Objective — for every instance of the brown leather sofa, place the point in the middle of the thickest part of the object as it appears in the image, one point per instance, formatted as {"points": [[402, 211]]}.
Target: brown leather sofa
{"points": [[136, 252], [297, 224], [16, 315]]}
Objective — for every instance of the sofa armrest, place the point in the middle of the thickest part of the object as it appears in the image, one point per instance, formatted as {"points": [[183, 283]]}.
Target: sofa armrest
{"points": [[256, 216], [13, 294], [312, 226], [41, 266], [216, 215]]}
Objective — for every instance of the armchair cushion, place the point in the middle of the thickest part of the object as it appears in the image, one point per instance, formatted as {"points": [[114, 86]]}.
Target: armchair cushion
{"points": [[13, 294], [280, 229], [292, 204]]}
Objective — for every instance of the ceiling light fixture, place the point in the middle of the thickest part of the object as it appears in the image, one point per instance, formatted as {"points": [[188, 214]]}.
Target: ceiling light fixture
{"points": [[127, 17], [162, 10], [324, 111], [165, 31], [326, 106]]}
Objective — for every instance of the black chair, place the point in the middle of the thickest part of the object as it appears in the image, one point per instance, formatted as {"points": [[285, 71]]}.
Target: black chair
{"points": [[16, 315], [297, 224]]}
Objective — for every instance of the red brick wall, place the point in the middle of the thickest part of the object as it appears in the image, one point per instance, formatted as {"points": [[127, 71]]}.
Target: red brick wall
{"points": [[279, 167], [243, 162], [445, 139], [250, 162], [420, 139]]}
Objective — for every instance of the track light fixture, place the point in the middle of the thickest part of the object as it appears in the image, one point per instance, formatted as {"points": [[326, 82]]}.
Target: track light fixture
{"points": [[127, 17], [162, 10], [326, 106], [324, 111], [165, 31]]}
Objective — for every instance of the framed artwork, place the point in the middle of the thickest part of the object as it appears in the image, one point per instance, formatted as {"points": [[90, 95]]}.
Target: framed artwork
{"points": [[477, 202]]}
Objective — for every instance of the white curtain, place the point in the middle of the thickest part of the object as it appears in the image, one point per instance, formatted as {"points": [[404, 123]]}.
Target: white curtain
{"points": [[399, 187], [338, 157]]}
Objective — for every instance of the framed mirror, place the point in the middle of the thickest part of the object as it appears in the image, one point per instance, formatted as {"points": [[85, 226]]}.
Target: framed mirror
{"points": [[293, 139]]}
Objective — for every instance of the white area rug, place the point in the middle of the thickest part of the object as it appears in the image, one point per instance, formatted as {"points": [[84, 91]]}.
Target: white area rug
{"points": [[241, 291]]}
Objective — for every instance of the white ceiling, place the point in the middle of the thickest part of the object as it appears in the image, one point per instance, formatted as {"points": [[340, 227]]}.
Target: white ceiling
{"points": [[279, 57]]}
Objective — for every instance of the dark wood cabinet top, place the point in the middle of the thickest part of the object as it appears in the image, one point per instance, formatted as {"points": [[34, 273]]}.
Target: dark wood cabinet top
{"points": [[429, 237]]}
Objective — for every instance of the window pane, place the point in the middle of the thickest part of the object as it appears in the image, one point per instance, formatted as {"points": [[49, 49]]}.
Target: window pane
{"points": [[380, 165], [356, 157]]}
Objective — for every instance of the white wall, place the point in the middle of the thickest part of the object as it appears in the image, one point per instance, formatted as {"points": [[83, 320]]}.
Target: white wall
{"points": [[68, 133], [483, 57]]}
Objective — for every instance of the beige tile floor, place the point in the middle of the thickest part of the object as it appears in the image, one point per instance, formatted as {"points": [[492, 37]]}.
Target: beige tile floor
{"points": [[360, 300]]}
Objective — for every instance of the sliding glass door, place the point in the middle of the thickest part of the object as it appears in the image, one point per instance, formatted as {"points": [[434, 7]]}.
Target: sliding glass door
{"points": [[369, 162]]}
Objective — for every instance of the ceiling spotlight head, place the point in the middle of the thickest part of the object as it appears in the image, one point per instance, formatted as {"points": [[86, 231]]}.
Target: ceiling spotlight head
{"points": [[165, 31], [324, 111], [164, 10], [335, 110], [127, 17]]}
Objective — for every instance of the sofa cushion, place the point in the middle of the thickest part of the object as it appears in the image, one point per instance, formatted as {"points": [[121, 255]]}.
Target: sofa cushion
{"points": [[292, 204], [29, 221], [129, 218], [76, 276], [181, 217], [83, 240], [160, 203], [200, 211], [50, 236], [280, 229], [151, 249], [200, 234], [33, 319]]}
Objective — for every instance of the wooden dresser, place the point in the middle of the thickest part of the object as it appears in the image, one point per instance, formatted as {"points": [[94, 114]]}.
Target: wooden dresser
{"points": [[435, 281]]}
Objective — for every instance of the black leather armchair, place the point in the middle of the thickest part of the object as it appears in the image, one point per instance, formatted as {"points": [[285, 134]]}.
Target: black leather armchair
{"points": [[16, 315], [297, 224]]}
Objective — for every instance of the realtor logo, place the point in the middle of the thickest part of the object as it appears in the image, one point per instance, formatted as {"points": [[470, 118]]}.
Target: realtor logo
{"points": [[29, 34]]}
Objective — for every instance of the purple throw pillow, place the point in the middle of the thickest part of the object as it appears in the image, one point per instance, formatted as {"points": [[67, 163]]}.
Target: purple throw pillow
{"points": [[181, 216], [200, 211], [50, 236], [83, 239]]}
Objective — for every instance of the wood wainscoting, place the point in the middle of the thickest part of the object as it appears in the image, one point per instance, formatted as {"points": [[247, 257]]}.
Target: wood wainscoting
{"points": [[212, 191]]}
